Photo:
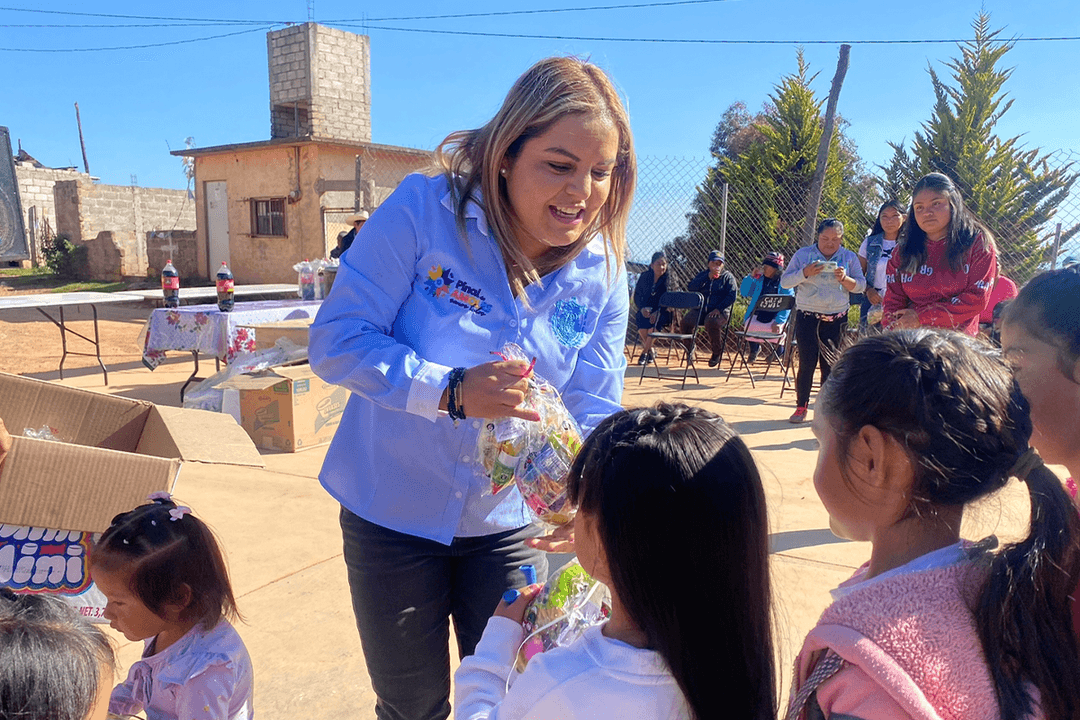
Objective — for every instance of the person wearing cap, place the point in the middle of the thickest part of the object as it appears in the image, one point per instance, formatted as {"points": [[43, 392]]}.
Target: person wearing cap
{"points": [[717, 286], [651, 285], [345, 240], [765, 280]]}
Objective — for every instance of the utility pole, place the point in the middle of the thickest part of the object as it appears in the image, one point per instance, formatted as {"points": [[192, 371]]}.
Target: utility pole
{"points": [[82, 143], [816, 185]]}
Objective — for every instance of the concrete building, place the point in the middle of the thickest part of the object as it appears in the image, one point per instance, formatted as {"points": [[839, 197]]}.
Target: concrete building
{"points": [[265, 206], [127, 229]]}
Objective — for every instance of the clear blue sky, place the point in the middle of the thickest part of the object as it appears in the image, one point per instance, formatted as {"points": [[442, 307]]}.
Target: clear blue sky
{"points": [[135, 104]]}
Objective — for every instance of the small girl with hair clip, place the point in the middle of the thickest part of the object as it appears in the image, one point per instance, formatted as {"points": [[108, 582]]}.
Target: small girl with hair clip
{"points": [[166, 583], [914, 425]]}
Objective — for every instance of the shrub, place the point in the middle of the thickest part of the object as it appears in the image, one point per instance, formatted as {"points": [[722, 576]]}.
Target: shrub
{"points": [[64, 258]]}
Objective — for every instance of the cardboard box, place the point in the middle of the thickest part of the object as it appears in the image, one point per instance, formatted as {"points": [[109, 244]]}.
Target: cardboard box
{"points": [[288, 408], [110, 453], [267, 334]]}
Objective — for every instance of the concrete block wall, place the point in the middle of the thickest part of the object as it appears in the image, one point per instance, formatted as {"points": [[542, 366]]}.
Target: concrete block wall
{"points": [[289, 62], [115, 221], [341, 85], [320, 83], [36, 190]]}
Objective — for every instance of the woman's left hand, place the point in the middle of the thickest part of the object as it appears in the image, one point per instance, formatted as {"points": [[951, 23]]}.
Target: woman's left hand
{"points": [[840, 274], [516, 610], [561, 539]]}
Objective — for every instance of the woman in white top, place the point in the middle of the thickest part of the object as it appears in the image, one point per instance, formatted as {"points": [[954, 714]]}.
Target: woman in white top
{"points": [[672, 519], [874, 254]]}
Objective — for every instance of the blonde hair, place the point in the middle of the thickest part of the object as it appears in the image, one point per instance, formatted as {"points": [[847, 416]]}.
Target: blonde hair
{"points": [[550, 90]]}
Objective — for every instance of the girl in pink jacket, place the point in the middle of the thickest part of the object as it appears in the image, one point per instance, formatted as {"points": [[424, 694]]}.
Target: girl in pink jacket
{"points": [[914, 425]]}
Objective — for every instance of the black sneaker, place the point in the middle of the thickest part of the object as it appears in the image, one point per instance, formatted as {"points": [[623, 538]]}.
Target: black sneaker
{"points": [[752, 358], [714, 360], [643, 359]]}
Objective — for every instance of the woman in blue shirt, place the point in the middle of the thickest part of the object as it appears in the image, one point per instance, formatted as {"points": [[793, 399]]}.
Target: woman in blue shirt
{"points": [[519, 239]]}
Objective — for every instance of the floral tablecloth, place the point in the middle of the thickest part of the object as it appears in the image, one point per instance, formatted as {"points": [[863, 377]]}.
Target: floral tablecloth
{"points": [[206, 329]]}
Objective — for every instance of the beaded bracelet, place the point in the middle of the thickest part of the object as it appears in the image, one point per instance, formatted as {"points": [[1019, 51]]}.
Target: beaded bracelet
{"points": [[454, 405]]}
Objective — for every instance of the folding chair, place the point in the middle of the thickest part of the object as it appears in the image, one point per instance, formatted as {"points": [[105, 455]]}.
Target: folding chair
{"points": [[679, 301], [770, 340]]}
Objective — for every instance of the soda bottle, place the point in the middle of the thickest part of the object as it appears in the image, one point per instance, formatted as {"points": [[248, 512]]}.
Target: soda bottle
{"points": [[225, 288], [307, 281], [170, 285]]}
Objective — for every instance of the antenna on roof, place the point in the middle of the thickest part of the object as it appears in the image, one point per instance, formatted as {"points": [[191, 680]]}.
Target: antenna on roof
{"points": [[311, 10]]}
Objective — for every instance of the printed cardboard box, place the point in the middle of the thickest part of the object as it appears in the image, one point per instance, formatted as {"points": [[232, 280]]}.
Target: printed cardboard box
{"points": [[288, 408], [109, 454]]}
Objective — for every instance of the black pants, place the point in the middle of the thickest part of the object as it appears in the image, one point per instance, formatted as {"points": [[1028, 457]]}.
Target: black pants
{"points": [[819, 344], [405, 589]]}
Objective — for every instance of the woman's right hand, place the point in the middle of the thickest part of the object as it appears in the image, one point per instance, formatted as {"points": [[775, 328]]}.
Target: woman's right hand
{"points": [[873, 296], [813, 269], [495, 390]]}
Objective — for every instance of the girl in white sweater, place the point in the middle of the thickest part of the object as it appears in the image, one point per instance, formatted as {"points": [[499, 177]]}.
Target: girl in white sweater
{"points": [[672, 519]]}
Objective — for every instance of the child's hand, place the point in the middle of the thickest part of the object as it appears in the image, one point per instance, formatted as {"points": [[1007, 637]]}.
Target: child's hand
{"points": [[516, 610], [561, 540], [5, 443]]}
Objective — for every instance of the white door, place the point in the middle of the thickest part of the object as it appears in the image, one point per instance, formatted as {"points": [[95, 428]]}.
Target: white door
{"points": [[217, 225]]}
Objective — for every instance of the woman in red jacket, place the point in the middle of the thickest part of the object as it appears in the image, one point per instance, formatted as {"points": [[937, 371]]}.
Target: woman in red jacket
{"points": [[942, 270]]}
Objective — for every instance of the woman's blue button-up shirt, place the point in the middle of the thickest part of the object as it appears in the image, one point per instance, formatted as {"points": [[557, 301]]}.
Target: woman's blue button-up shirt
{"points": [[411, 301]]}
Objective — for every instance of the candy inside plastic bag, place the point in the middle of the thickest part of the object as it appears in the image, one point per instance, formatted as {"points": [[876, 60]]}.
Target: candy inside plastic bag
{"points": [[535, 455], [569, 603]]}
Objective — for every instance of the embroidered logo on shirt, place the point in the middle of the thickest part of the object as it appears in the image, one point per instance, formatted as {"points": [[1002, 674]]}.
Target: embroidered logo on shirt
{"points": [[438, 282], [568, 322], [441, 284]]}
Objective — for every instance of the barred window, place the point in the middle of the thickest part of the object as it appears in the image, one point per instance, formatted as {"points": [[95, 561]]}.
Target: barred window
{"points": [[268, 217]]}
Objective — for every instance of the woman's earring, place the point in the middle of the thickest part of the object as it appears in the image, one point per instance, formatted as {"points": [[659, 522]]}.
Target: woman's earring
{"points": [[503, 172]]}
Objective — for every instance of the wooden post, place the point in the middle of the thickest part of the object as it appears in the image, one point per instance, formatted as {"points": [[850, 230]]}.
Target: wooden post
{"points": [[816, 185], [723, 217], [82, 143], [1057, 247]]}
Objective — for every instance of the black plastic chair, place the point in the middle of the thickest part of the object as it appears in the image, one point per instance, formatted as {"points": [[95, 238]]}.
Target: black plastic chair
{"points": [[770, 340], [690, 301]]}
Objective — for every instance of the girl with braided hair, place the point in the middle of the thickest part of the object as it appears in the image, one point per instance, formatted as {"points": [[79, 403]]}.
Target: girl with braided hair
{"points": [[933, 626], [166, 583]]}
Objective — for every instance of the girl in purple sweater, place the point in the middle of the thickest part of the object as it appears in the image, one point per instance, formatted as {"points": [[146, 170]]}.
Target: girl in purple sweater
{"points": [[165, 579]]}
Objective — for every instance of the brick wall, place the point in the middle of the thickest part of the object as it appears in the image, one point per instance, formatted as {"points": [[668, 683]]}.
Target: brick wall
{"points": [[116, 222], [36, 191], [320, 83]]}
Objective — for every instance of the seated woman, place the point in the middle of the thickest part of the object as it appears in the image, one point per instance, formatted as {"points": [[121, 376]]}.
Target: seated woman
{"points": [[651, 286], [765, 280]]}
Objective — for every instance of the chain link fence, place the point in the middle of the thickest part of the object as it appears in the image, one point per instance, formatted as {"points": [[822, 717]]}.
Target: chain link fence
{"points": [[680, 208]]}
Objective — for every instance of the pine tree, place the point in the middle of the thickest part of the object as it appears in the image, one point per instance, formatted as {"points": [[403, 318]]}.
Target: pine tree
{"points": [[1013, 190], [768, 161]]}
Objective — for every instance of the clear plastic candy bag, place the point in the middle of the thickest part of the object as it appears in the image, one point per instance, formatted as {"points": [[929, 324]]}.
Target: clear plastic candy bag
{"points": [[569, 603], [536, 456]]}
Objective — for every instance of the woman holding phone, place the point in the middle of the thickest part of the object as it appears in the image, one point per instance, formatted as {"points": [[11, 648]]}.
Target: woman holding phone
{"points": [[823, 274]]}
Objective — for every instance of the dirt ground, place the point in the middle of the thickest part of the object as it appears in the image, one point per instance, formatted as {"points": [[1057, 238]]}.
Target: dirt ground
{"points": [[32, 346]]}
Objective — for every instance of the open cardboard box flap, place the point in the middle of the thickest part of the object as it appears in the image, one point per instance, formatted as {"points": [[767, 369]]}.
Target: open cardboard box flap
{"points": [[110, 452], [72, 487], [197, 436]]}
